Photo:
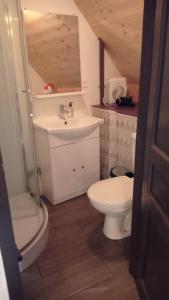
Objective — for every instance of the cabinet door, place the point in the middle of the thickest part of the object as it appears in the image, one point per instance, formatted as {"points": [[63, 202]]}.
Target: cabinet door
{"points": [[64, 171], [88, 163]]}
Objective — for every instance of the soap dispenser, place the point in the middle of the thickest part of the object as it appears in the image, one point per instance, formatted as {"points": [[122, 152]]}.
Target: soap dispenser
{"points": [[71, 110]]}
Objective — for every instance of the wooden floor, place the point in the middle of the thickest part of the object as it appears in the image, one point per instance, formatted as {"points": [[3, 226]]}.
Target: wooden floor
{"points": [[79, 262]]}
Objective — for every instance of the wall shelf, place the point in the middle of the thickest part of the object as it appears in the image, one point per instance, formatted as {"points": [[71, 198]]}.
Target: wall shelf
{"points": [[47, 96]]}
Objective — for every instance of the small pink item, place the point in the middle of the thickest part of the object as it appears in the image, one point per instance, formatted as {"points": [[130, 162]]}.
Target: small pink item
{"points": [[48, 88]]}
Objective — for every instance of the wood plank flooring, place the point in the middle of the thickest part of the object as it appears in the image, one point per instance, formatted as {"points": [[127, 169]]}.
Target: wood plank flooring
{"points": [[79, 262]]}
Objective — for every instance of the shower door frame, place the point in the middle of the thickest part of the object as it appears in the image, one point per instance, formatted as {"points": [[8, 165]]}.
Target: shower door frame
{"points": [[26, 92]]}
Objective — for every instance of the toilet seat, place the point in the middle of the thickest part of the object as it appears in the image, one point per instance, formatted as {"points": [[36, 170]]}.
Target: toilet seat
{"points": [[116, 192]]}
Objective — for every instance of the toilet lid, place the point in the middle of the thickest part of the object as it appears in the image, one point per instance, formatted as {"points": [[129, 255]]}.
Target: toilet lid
{"points": [[116, 191]]}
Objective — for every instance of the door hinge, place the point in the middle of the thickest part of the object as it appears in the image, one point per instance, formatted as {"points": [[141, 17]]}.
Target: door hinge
{"points": [[39, 172], [26, 91]]}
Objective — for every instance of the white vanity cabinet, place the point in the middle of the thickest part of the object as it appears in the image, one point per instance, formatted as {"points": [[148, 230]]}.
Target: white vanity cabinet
{"points": [[68, 167]]}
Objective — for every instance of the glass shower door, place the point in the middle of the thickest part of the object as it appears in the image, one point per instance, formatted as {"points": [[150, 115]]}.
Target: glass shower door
{"points": [[16, 132], [24, 103]]}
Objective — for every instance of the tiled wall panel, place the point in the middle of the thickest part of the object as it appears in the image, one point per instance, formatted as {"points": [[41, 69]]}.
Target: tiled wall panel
{"points": [[115, 140]]}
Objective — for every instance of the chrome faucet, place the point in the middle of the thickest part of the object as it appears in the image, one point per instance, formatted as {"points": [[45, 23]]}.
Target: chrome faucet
{"points": [[63, 112], [66, 111], [71, 110]]}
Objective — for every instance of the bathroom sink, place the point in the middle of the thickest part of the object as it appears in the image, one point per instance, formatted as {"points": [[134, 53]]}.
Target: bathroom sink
{"points": [[75, 127]]}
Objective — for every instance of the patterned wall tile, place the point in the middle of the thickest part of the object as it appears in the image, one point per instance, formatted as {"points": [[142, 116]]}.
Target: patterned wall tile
{"points": [[115, 140]]}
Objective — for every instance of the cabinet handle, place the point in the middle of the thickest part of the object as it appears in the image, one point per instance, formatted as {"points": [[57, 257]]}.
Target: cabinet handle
{"points": [[74, 170]]}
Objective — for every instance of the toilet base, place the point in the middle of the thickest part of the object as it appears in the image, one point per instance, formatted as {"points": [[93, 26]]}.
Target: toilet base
{"points": [[117, 227]]}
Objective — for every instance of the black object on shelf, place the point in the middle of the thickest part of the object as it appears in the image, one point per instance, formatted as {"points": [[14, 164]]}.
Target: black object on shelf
{"points": [[129, 174], [125, 101]]}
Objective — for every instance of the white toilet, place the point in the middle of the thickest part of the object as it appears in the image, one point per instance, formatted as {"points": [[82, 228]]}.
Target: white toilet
{"points": [[113, 197]]}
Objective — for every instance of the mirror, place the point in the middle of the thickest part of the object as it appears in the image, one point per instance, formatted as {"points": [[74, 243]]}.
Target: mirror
{"points": [[53, 52]]}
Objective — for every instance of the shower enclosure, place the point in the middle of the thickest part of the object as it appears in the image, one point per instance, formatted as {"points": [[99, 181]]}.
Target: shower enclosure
{"points": [[28, 213]]}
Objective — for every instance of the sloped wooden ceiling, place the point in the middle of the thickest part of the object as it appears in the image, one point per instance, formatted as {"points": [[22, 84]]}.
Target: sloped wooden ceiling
{"points": [[119, 24]]}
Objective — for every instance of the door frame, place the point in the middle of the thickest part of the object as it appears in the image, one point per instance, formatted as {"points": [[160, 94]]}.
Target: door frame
{"points": [[148, 71], [145, 76], [7, 243]]}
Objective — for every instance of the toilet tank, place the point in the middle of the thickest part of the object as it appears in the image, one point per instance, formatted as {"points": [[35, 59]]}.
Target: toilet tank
{"points": [[133, 145]]}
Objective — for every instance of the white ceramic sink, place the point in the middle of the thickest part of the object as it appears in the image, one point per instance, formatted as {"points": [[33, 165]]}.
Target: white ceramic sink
{"points": [[77, 126]]}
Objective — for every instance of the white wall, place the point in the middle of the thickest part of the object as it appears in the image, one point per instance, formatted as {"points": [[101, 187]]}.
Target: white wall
{"points": [[37, 83]]}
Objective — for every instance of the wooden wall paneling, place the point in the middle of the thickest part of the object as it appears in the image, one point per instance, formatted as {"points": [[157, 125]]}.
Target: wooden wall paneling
{"points": [[119, 25]]}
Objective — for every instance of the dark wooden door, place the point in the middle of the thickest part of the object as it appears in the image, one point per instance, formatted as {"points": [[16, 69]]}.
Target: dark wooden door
{"points": [[149, 261], [8, 251]]}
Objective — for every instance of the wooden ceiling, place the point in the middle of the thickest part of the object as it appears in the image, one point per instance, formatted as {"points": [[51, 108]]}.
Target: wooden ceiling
{"points": [[119, 24], [53, 48]]}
